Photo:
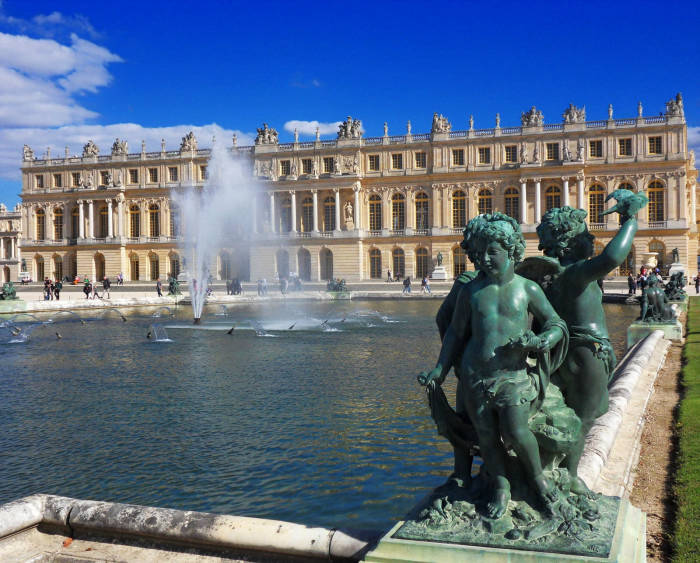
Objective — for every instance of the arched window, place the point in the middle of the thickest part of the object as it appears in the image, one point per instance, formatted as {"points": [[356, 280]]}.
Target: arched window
{"points": [[154, 220], [375, 264], [58, 268], [626, 186], [282, 264], [656, 193], [304, 257], [307, 215], [175, 265], [398, 212], [329, 214], [459, 261], [660, 249], [512, 197], [286, 216], [552, 197], [422, 211], [422, 265], [326, 264], [375, 213], [154, 266], [58, 223], [134, 222], [628, 266], [225, 270], [102, 233], [75, 222], [398, 259], [39, 268], [484, 201], [99, 262], [174, 221], [596, 204], [134, 267], [459, 210], [40, 226]]}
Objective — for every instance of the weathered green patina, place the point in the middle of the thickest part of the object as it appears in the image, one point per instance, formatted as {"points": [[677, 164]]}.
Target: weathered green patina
{"points": [[8, 292], [675, 287], [655, 305]]}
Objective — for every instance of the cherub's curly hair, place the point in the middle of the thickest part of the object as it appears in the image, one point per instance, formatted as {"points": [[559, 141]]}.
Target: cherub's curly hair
{"points": [[563, 231], [490, 227]]}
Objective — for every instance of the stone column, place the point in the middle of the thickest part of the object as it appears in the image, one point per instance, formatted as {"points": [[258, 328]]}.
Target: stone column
{"points": [[581, 204], [337, 209], [314, 194], [523, 201], [693, 202], [272, 211], [13, 247], [2, 248], [48, 213], [538, 200], [294, 212], [356, 216], [566, 190], [91, 219], [81, 219], [110, 229], [120, 217]]}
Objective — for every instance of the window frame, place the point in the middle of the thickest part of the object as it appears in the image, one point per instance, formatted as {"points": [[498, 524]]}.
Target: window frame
{"points": [[483, 155], [397, 157]]}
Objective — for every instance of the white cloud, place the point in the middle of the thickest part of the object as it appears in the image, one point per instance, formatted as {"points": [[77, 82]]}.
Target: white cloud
{"points": [[75, 136], [50, 25], [309, 127]]}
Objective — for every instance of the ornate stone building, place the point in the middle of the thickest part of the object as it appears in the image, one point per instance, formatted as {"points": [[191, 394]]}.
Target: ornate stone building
{"points": [[10, 231], [355, 207]]}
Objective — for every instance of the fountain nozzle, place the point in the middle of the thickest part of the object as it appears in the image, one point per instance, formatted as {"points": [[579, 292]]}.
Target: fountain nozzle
{"points": [[197, 320]]}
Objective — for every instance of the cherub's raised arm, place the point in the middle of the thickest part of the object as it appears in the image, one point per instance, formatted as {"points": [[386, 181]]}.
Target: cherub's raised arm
{"points": [[612, 256]]}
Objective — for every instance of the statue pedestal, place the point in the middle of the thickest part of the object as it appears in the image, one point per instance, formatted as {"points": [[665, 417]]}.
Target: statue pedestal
{"points": [[439, 273], [628, 544], [673, 330], [676, 267], [682, 304]]}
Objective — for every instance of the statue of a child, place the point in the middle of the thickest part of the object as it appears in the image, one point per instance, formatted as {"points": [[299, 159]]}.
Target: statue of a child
{"points": [[489, 330]]}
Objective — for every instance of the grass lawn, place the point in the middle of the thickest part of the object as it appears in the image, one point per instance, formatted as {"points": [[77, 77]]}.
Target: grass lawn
{"points": [[687, 486]]}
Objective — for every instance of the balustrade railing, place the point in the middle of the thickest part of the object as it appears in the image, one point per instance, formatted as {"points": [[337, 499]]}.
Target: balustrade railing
{"points": [[553, 127], [372, 141], [394, 139], [596, 124], [420, 232], [374, 233], [624, 122], [596, 226], [458, 134], [656, 119], [511, 130], [421, 137], [657, 224]]}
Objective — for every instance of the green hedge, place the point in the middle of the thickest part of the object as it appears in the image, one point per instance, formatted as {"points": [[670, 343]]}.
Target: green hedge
{"points": [[687, 486]]}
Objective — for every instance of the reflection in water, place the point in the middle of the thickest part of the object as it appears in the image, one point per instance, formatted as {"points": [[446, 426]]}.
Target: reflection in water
{"points": [[323, 427]]}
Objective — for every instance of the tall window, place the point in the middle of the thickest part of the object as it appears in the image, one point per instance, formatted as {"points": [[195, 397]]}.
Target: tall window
{"points": [[484, 201], [285, 167], [172, 173], [457, 157], [373, 163], [375, 213], [552, 197], [104, 177], [626, 186], [133, 178], [656, 194], [512, 197], [420, 159], [459, 210], [58, 223], [40, 224], [326, 264], [306, 166], [511, 154], [596, 203], [75, 179], [134, 222], [153, 175], [174, 265], [307, 215], [329, 214], [398, 262], [595, 149], [397, 161], [58, 267], [154, 220], [398, 212], [134, 267], [155, 266], [286, 216], [174, 221], [39, 181], [624, 147], [40, 274], [484, 155], [459, 261], [422, 266], [103, 223], [75, 222], [57, 181], [654, 145], [421, 210], [375, 263], [203, 172], [328, 162], [552, 151]]}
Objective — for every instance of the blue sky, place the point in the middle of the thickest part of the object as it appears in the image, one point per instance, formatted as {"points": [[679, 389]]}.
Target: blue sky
{"points": [[72, 71]]}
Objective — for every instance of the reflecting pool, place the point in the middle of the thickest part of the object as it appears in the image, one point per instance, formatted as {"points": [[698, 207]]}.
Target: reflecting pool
{"points": [[306, 413]]}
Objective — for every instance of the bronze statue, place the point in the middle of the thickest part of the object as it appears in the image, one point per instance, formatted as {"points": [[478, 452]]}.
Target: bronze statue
{"points": [[655, 304], [675, 287]]}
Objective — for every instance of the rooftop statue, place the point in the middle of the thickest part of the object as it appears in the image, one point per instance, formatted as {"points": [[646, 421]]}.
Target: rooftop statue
{"points": [[350, 129], [440, 124], [27, 153], [489, 348], [675, 287], [267, 136], [674, 107], [90, 149], [655, 305], [569, 275], [573, 114], [120, 148], [188, 143], [532, 118]]}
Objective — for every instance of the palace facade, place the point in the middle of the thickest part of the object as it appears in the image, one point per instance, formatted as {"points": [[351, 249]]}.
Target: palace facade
{"points": [[356, 207]]}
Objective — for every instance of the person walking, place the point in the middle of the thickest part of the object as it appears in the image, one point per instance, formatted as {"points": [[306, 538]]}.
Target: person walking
{"points": [[631, 284], [697, 283], [388, 275], [95, 294], [159, 287], [106, 284], [87, 288], [407, 285], [424, 285], [57, 287]]}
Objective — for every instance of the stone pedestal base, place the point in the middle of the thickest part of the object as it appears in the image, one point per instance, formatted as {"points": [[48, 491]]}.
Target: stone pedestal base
{"points": [[628, 545], [439, 273], [673, 330], [682, 305], [676, 267]]}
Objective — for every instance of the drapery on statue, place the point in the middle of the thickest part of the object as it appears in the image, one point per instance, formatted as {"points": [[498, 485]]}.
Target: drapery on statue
{"points": [[490, 338], [569, 277]]}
